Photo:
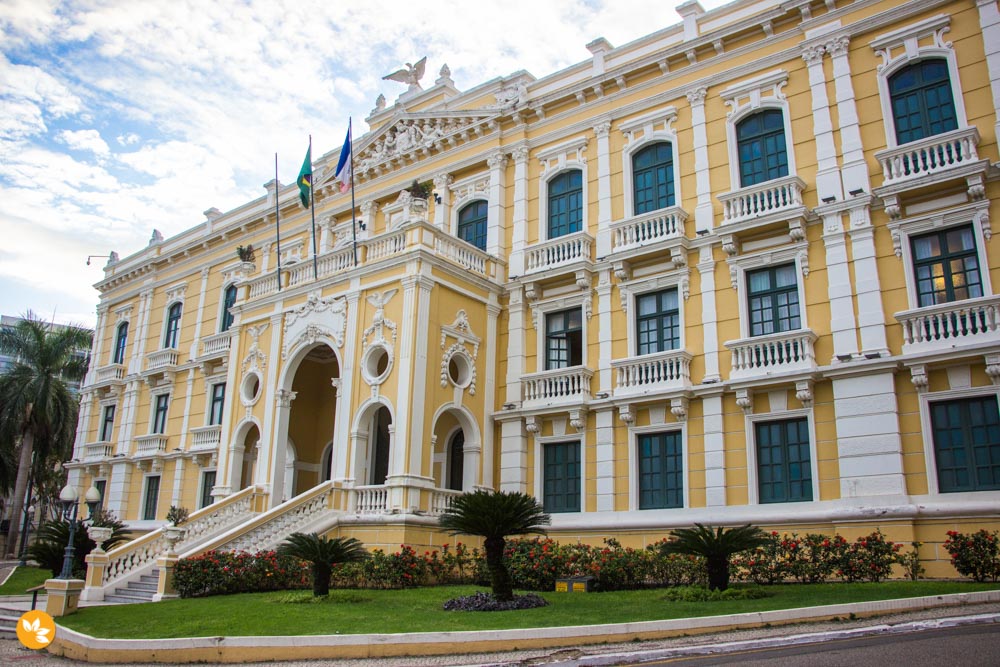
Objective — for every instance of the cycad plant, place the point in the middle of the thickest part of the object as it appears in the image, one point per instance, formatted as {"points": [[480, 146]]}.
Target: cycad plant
{"points": [[323, 554], [494, 516], [716, 546]]}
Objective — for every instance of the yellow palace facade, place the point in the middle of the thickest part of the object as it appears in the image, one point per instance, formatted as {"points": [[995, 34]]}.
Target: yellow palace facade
{"points": [[739, 270]]}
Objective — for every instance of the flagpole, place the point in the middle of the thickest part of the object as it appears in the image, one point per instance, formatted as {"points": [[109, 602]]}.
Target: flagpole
{"points": [[277, 217], [354, 218], [312, 206]]}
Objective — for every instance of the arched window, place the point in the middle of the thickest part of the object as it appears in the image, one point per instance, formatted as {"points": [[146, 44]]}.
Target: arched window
{"points": [[653, 177], [381, 421], [121, 340], [922, 101], [761, 142], [228, 299], [566, 203], [472, 223], [172, 334], [456, 461]]}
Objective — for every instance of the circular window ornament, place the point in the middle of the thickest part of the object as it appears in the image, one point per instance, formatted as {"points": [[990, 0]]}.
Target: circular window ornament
{"points": [[250, 388], [377, 364], [460, 370]]}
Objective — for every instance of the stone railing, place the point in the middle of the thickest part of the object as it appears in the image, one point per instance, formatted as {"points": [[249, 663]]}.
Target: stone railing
{"points": [[370, 499], [648, 228], [929, 155], [265, 284], [461, 253], [216, 344], [788, 351], [663, 371], [559, 252], [110, 373], [441, 500], [148, 445], [561, 385], [205, 437], [97, 450], [164, 358], [941, 327], [384, 245], [133, 557], [776, 196]]}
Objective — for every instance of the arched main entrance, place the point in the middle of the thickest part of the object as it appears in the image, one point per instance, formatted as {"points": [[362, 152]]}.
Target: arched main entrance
{"points": [[311, 419], [248, 452], [378, 467]]}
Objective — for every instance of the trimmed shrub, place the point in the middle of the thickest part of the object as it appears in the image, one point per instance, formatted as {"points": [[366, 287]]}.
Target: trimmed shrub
{"points": [[869, 558], [225, 572], [975, 555]]}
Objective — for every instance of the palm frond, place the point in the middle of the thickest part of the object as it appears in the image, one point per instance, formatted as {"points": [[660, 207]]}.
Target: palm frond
{"points": [[494, 514]]}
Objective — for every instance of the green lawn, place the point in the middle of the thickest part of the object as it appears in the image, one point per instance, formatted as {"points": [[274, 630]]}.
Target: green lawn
{"points": [[419, 610], [23, 579]]}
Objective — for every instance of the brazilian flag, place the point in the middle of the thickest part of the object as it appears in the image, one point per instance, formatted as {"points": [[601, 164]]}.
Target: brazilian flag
{"points": [[305, 178]]}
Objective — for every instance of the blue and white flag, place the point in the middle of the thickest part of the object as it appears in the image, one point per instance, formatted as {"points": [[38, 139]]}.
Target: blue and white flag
{"points": [[343, 173]]}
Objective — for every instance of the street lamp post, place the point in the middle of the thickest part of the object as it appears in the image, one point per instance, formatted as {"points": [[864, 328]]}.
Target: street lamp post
{"points": [[68, 498]]}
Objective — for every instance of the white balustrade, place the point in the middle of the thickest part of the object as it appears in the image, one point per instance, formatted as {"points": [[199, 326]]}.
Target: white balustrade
{"points": [[929, 155], [97, 450], [648, 228], [371, 499], [268, 530], [384, 246], [148, 445], [441, 500], [216, 344], [206, 437], [463, 254], [774, 353], [776, 196], [663, 371], [941, 327], [560, 385], [559, 252], [266, 284], [164, 358], [109, 373]]}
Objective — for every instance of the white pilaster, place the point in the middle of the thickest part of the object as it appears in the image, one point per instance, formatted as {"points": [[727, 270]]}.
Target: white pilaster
{"points": [[345, 418], [513, 457], [186, 422], [604, 330], [519, 236], [442, 209], [175, 496], [827, 174], [989, 21], [489, 392], [417, 389], [202, 298], [515, 344], [871, 313], [117, 490], [703, 186], [842, 322], [282, 405], [709, 315], [868, 443], [603, 130], [404, 366], [271, 448], [97, 348], [605, 452], [715, 451], [142, 332], [233, 402], [495, 208], [854, 170]]}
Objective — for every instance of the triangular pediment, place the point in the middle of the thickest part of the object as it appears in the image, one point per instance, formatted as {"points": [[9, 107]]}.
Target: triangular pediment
{"points": [[410, 137]]}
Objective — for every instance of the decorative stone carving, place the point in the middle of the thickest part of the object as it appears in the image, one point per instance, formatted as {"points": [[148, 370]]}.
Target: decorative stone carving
{"points": [[376, 332], [410, 74], [697, 96], [744, 399], [284, 397], [317, 318], [679, 408], [803, 392], [255, 358], [512, 96], [625, 413], [813, 55], [918, 376], [531, 424], [578, 419], [993, 368], [461, 331], [156, 238]]}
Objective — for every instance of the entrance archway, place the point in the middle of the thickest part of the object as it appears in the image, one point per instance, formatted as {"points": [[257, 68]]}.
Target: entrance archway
{"points": [[378, 468], [248, 454], [311, 419]]}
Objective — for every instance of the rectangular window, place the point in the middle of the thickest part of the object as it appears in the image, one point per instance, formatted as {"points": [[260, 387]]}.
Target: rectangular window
{"points": [[946, 266], [207, 482], [657, 322], [217, 404], [108, 423], [661, 474], [160, 414], [564, 339], [967, 444], [102, 486], [561, 476], [773, 300], [784, 471], [150, 498]]}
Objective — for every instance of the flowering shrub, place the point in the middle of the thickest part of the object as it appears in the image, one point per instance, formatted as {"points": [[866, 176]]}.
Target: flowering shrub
{"points": [[224, 572], [535, 564], [813, 558], [911, 562], [869, 559], [976, 555]]}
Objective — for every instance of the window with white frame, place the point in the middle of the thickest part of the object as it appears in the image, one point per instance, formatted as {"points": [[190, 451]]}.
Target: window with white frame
{"points": [[966, 438], [107, 423], [562, 200], [160, 404], [217, 403], [472, 223], [456, 460], [653, 177], [564, 339], [121, 341], [561, 475], [565, 198], [102, 488], [150, 498], [660, 472], [773, 300], [207, 484], [657, 321], [784, 460], [171, 332], [228, 301], [759, 130]]}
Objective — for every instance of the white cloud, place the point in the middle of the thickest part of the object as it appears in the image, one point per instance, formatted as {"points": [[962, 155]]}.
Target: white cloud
{"points": [[127, 139], [84, 140]]}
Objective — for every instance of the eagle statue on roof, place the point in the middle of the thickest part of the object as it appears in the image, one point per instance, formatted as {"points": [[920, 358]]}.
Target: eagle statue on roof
{"points": [[410, 75]]}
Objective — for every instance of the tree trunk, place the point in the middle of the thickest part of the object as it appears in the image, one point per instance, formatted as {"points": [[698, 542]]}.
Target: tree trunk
{"points": [[503, 589], [718, 573], [321, 579], [20, 487]]}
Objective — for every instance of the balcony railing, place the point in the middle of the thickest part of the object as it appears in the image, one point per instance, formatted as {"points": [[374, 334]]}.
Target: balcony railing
{"points": [[648, 228], [563, 385], [150, 445], [664, 371], [205, 437], [161, 359], [371, 499], [216, 344], [559, 252], [785, 352], [931, 155], [461, 253], [110, 373], [779, 196], [941, 327], [95, 451]]}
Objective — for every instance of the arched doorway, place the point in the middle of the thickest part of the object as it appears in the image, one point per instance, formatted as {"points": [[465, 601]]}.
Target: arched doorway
{"points": [[311, 419], [378, 468], [456, 460], [249, 456]]}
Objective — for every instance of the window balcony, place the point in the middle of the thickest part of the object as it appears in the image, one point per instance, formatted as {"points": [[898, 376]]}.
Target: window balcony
{"points": [[972, 322], [562, 386], [161, 359], [652, 373], [559, 256], [150, 445], [782, 353], [657, 233], [768, 204], [216, 345], [205, 437], [110, 375], [97, 451], [929, 161]]}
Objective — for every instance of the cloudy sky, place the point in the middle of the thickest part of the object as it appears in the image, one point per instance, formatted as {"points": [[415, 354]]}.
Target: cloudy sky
{"points": [[120, 117]]}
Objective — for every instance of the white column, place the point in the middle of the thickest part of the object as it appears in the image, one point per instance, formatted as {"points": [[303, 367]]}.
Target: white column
{"points": [[271, 448], [513, 456], [186, 421], [223, 485], [279, 443], [117, 490], [404, 367], [489, 392], [515, 344], [417, 390], [703, 186], [345, 417], [869, 448], [854, 170], [202, 298], [827, 174], [514, 441], [715, 450], [519, 238], [602, 131], [175, 496], [96, 348], [142, 331], [605, 451], [871, 313], [843, 325], [442, 209], [989, 21], [495, 211], [709, 315], [126, 425], [87, 401], [604, 330]]}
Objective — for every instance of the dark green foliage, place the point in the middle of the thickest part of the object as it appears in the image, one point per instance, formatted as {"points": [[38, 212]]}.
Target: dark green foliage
{"points": [[49, 546], [480, 601], [229, 572], [323, 554], [495, 515], [716, 546], [702, 594]]}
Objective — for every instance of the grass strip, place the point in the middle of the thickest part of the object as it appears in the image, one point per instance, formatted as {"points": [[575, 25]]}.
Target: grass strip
{"points": [[419, 610], [24, 578]]}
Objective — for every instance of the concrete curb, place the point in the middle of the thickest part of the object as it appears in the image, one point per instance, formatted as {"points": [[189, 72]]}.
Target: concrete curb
{"points": [[77, 646]]}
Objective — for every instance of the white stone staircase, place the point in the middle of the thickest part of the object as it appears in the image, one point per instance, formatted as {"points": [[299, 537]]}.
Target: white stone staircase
{"points": [[134, 591]]}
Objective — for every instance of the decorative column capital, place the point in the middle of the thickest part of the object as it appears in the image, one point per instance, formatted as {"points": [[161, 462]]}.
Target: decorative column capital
{"points": [[838, 46], [443, 181], [602, 129], [284, 398], [697, 96], [813, 55], [497, 160], [520, 154]]}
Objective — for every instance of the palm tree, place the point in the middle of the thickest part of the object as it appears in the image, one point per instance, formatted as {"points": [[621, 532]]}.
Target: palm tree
{"points": [[495, 515], [323, 553], [36, 405], [716, 547]]}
